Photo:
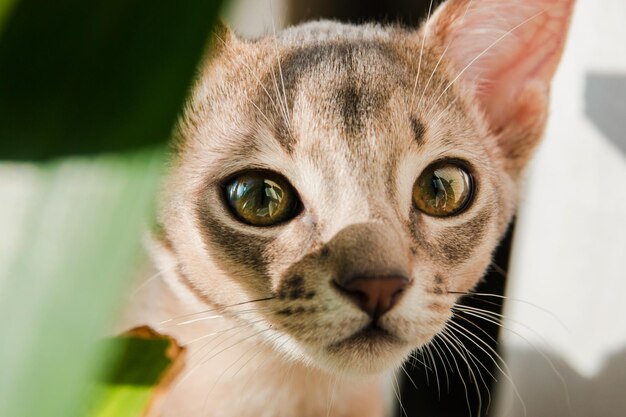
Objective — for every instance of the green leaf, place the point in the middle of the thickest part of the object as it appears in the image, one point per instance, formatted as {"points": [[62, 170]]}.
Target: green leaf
{"points": [[90, 90], [5, 9], [75, 231], [82, 77], [139, 376]]}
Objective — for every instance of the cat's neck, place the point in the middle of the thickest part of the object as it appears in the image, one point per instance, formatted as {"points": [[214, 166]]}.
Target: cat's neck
{"points": [[228, 372]]}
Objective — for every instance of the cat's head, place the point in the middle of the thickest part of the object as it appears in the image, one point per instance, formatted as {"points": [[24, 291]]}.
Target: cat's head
{"points": [[354, 178]]}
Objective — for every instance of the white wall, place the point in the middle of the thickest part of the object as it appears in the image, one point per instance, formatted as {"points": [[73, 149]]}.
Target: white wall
{"points": [[254, 18], [569, 254]]}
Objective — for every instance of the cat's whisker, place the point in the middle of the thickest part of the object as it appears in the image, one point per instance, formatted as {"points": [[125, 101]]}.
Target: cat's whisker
{"points": [[278, 97], [214, 337], [415, 359], [223, 308], [458, 315], [469, 357], [469, 4], [253, 74], [474, 339], [150, 280], [488, 313], [497, 322], [434, 347], [235, 314], [432, 74], [434, 361], [512, 299], [408, 376], [261, 364], [484, 51], [219, 332], [450, 345], [236, 343], [443, 112], [269, 341], [332, 389], [396, 391], [426, 358], [182, 323], [219, 378], [444, 360], [285, 104], [206, 359], [189, 372], [498, 269], [269, 123], [476, 359], [492, 354], [443, 54], [478, 364], [419, 64]]}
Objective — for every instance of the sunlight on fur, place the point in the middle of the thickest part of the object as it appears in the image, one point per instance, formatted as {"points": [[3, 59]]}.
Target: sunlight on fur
{"points": [[400, 153]]}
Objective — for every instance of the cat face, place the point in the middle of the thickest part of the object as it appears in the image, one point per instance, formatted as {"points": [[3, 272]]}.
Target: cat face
{"points": [[355, 179]]}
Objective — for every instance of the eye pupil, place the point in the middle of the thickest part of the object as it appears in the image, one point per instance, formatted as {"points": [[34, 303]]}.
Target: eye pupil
{"points": [[261, 198], [443, 189]]}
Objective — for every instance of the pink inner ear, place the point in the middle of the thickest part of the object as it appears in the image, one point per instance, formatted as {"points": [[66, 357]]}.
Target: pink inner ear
{"points": [[503, 47]]}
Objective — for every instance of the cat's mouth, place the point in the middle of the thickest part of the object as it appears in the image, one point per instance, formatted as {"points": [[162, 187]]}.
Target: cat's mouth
{"points": [[367, 337]]}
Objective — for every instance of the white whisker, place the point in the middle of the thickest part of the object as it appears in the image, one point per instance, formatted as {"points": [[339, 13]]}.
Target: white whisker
{"points": [[150, 280], [449, 345], [254, 75], [484, 51], [489, 319], [221, 331], [419, 64], [212, 310], [285, 104], [396, 391], [444, 359], [477, 342], [408, 376], [331, 394], [432, 74]]}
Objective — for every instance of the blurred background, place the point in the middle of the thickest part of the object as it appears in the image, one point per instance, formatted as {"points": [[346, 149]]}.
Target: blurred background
{"points": [[89, 92]]}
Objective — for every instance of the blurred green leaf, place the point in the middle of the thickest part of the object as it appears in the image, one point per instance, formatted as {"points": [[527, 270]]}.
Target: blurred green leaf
{"points": [[79, 232], [5, 8], [147, 363], [82, 77]]}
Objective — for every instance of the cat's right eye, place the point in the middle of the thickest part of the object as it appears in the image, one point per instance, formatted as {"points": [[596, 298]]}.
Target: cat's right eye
{"points": [[261, 198]]}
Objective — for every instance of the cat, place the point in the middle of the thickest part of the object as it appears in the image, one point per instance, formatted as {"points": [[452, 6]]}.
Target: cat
{"points": [[334, 190]]}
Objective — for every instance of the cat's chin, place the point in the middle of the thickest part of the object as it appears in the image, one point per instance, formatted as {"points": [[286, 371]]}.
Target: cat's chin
{"points": [[370, 351]]}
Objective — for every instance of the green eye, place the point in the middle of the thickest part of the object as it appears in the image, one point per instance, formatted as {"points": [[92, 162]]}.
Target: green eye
{"points": [[261, 198], [443, 189]]}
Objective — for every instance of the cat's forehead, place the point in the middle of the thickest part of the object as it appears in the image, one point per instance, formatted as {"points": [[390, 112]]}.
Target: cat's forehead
{"points": [[341, 91], [344, 97], [347, 82]]}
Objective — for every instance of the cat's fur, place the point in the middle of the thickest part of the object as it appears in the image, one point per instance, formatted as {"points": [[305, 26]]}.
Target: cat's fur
{"points": [[350, 115]]}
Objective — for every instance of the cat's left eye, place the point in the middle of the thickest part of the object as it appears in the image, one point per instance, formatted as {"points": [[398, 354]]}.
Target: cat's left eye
{"points": [[443, 189], [261, 198]]}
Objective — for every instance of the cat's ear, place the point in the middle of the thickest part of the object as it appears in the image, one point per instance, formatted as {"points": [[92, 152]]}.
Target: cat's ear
{"points": [[505, 52], [222, 37]]}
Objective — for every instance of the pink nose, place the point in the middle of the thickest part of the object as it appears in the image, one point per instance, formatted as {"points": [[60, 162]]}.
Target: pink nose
{"points": [[375, 296]]}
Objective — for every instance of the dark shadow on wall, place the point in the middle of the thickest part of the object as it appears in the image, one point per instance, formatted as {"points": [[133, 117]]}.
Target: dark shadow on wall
{"points": [[544, 393], [605, 105], [407, 12]]}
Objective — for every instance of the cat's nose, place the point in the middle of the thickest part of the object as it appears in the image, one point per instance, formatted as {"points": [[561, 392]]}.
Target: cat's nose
{"points": [[374, 295]]}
